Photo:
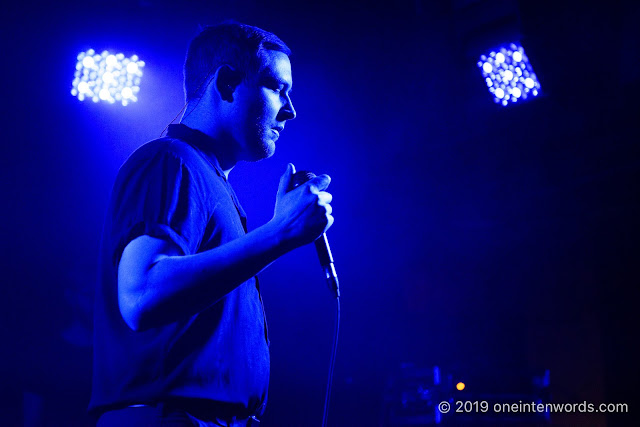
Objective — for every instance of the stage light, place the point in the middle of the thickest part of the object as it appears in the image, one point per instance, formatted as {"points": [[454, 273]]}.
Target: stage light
{"points": [[88, 62], [460, 386], [508, 75], [517, 56], [509, 71], [107, 77], [111, 60], [132, 68]]}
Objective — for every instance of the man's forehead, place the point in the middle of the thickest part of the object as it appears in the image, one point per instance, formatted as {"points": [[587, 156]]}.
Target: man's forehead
{"points": [[276, 65]]}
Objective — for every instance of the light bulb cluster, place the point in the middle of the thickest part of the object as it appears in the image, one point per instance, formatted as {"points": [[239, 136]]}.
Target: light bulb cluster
{"points": [[509, 75], [107, 77]]}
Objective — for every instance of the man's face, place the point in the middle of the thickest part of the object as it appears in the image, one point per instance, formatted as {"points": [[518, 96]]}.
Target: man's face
{"points": [[262, 106]]}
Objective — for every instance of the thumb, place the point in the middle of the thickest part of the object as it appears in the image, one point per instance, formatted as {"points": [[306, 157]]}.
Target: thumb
{"points": [[283, 186]]}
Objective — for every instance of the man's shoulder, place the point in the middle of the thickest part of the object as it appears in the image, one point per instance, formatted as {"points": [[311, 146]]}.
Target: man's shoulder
{"points": [[166, 146], [167, 158], [171, 152]]}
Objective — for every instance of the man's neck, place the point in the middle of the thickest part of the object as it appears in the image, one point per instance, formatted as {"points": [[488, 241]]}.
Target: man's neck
{"points": [[222, 150]]}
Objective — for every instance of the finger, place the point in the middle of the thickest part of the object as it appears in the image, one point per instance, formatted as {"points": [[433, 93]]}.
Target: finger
{"points": [[319, 183], [285, 179], [324, 198], [328, 209], [329, 222]]}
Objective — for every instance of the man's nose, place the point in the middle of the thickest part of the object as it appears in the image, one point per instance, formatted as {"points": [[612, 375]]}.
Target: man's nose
{"points": [[288, 112]]}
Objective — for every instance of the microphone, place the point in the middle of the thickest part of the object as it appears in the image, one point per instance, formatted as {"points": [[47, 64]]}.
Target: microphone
{"points": [[322, 244]]}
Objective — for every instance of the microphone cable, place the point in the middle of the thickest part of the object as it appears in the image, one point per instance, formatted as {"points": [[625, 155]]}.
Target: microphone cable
{"points": [[327, 396], [326, 261]]}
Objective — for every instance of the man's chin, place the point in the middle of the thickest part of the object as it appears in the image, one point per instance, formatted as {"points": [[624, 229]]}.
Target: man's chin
{"points": [[265, 151]]}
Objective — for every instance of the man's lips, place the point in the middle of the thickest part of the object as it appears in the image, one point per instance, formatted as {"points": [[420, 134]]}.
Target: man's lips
{"points": [[278, 130]]}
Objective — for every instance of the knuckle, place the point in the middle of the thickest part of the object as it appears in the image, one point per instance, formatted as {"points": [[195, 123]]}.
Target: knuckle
{"points": [[329, 220], [326, 197]]}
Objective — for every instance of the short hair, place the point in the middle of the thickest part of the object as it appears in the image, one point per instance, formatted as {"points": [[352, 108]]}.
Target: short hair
{"points": [[238, 45]]}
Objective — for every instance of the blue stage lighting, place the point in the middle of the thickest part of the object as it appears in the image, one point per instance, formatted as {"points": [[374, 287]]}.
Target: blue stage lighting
{"points": [[509, 75], [107, 77]]}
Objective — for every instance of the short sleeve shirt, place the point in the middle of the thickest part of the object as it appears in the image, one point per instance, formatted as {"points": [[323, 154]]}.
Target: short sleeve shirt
{"points": [[173, 188]]}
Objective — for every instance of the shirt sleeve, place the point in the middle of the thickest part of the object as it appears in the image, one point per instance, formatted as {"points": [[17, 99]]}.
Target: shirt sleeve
{"points": [[157, 197]]}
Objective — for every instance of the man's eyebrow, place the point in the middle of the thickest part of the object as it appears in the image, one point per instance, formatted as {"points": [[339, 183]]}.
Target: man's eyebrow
{"points": [[270, 78]]}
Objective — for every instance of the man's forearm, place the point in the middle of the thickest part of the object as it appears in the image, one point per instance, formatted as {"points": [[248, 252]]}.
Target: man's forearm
{"points": [[179, 286], [158, 285]]}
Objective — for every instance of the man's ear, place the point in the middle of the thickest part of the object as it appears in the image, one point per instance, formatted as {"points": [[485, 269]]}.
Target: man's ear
{"points": [[226, 80]]}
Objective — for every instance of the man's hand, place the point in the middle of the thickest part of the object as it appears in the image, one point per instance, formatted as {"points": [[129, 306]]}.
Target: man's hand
{"points": [[303, 214]]}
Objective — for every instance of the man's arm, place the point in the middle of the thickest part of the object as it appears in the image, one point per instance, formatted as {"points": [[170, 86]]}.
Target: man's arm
{"points": [[157, 284]]}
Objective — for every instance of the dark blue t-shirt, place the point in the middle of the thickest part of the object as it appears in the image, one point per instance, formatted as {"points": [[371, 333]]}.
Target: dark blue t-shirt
{"points": [[173, 188]]}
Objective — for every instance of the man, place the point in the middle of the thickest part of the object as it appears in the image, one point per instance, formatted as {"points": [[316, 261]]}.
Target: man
{"points": [[180, 333]]}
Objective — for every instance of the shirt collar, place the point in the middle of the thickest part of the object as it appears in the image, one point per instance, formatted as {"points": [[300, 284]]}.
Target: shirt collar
{"points": [[198, 139]]}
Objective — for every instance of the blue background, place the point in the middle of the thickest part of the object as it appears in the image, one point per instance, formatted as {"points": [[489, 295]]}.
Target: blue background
{"points": [[493, 242]]}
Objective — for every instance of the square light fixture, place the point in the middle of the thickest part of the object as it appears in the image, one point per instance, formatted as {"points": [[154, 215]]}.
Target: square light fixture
{"points": [[509, 75], [107, 77]]}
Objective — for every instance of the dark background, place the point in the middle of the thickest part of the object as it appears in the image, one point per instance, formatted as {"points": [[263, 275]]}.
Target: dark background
{"points": [[496, 243]]}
